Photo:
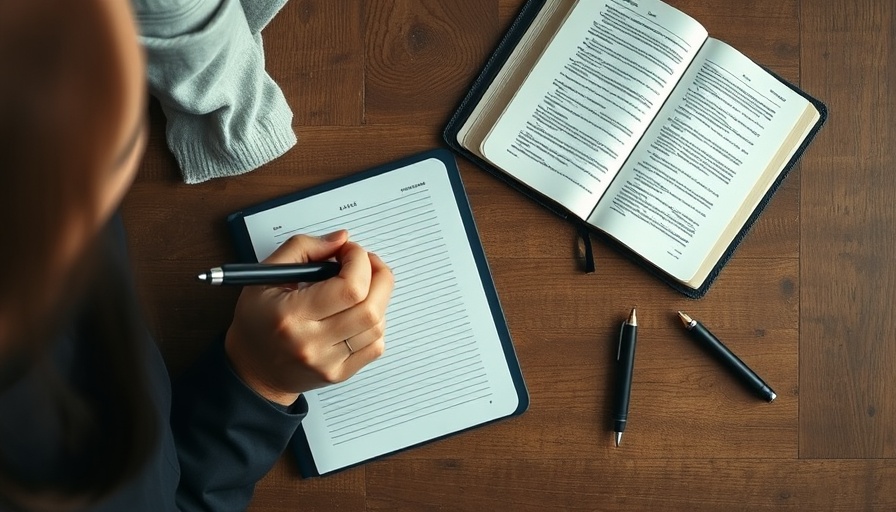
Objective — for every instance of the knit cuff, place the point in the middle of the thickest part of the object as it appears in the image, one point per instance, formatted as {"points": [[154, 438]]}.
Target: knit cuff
{"points": [[202, 158]]}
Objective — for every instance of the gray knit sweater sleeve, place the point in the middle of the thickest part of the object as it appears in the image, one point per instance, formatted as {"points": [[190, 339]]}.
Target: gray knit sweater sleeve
{"points": [[225, 115]]}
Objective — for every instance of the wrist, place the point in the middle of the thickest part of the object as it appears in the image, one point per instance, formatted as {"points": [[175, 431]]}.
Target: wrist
{"points": [[244, 371]]}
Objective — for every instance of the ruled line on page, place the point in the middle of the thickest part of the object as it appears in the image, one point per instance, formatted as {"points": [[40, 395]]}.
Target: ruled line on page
{"points": [[431, 363]]}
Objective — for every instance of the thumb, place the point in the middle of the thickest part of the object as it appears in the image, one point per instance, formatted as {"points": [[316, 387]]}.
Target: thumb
{"points": [[305, 248]]}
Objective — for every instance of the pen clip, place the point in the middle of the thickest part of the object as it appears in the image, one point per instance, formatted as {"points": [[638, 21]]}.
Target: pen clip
{"points": [[619, 345]]}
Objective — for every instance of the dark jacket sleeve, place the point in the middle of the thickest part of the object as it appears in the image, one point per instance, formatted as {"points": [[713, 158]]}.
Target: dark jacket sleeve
{"points": [[227, 436]]}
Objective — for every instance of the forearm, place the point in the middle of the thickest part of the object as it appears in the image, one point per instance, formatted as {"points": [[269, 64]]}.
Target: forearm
{"points": [[227, 436]]}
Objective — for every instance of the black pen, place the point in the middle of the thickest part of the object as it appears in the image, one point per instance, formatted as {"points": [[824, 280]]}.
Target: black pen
{"points": [[723, 354], [625, 363], [246, 274]]}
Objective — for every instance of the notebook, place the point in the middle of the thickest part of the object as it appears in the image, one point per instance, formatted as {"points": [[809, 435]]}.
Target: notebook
{"points": [[450, 363]]}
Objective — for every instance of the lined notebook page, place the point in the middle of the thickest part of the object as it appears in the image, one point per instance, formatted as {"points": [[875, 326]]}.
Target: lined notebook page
{"points": [[444, 368]]}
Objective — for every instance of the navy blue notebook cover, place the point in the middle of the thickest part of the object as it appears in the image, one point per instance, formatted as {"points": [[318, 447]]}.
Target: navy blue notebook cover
{"points": [[449, 364]]}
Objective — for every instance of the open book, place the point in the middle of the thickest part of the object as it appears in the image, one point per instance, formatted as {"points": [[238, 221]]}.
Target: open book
{"points": [[449, 363], [625, 115]]}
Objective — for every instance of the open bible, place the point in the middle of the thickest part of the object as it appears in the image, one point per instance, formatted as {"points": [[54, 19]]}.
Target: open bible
{"points": [[624, 116]]}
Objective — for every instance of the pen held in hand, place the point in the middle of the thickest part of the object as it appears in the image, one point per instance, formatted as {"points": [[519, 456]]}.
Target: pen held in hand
{"points": [[246, 274], [723, 354]]}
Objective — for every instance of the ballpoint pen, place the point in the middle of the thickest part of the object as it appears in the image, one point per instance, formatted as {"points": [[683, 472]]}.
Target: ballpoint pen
{"points": [[723, 354], [269, 273], [625, 362]]}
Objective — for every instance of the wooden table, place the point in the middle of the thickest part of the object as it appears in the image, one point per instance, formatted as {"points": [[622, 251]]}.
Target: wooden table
{"points": [[807, 300]]}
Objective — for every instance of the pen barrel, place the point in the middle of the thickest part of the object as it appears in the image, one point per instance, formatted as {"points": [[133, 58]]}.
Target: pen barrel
{"points": [[625, 363], [724, 355], [261, 274]]}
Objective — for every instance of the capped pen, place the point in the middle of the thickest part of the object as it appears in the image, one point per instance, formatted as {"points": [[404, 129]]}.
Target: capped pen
{"points": [[625, 363], [246, 274], [727, 357]]}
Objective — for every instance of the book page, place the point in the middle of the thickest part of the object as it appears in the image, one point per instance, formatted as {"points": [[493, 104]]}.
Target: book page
{"points": [[590, 97], [444, 368], [520, 61], [702, 168]]}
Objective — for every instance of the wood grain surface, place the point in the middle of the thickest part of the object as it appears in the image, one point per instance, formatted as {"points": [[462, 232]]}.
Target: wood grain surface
{"points": [[807, 300]]}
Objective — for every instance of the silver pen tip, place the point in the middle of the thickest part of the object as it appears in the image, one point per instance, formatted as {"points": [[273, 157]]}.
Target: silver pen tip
{"points": [[202, 277], [618, 438]]}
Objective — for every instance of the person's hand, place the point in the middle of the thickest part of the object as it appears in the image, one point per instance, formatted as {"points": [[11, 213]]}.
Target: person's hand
{"points": [[285, 340]]}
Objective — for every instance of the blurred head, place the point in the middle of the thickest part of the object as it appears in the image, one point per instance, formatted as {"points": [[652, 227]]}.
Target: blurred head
{"points": [[72, 133]]}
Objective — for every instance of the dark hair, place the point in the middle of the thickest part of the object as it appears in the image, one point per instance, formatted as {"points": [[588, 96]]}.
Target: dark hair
{"points": [[60, 88], [103, 405]]}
